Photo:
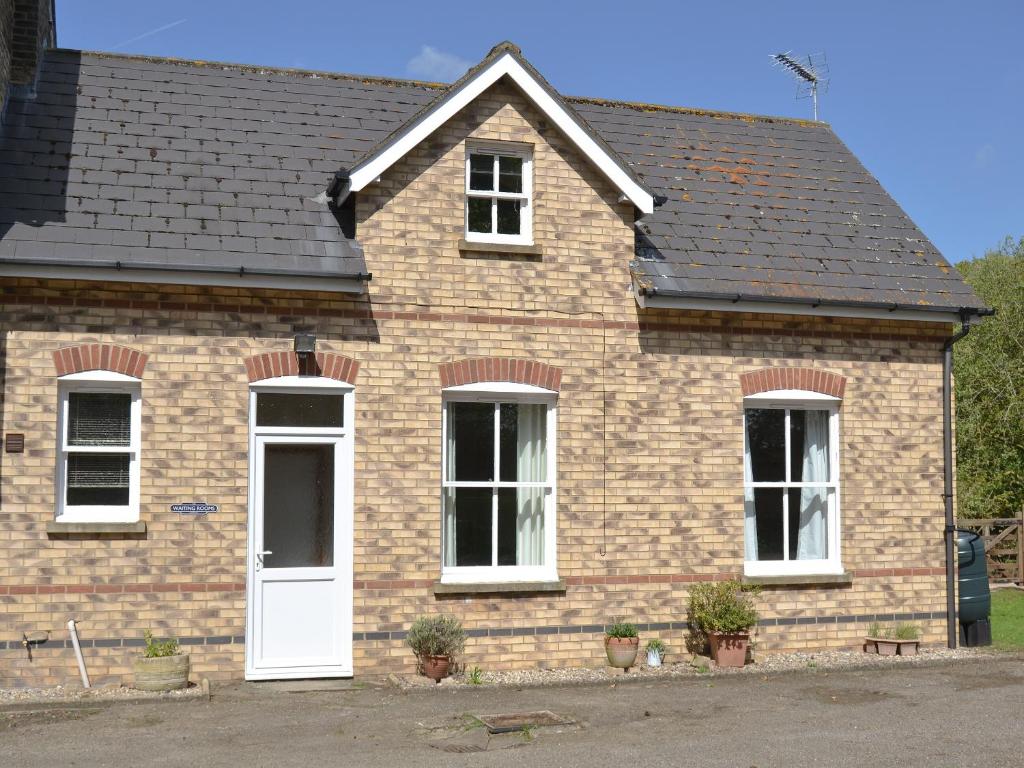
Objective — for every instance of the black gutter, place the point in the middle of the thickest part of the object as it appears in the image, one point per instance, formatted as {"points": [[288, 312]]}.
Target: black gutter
{"points": [[947, 470], [737, 298], [240, 270]]}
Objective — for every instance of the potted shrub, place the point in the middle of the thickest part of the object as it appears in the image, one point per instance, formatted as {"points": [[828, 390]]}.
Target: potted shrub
{"points": [[621, 643], [902, 640], [162, 667], [436, 640], [655, 652], [724, 613]]}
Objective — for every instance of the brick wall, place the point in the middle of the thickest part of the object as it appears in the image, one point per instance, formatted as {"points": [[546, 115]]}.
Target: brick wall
{"points": [[649, 452]]}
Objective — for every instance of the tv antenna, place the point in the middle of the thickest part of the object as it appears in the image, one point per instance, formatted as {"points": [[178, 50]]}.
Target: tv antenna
{"points": [[810, 72]]}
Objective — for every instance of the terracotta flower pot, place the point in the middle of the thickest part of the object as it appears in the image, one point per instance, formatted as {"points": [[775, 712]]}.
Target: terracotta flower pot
{"points": [[729, 650], [163, 673], [887, 647], [435, 667], [621, 651]]}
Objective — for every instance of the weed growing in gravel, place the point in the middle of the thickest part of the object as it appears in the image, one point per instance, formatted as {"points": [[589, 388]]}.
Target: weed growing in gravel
{"points": [[476, 676]]}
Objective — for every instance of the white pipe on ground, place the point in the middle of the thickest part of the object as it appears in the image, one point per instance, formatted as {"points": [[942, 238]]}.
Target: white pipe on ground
{"points": [[73, 631]]}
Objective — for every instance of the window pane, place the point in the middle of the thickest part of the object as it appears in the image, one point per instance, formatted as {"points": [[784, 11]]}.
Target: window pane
{"points": [[479, 214], [97, 479], [767, 443], [768, 506], [521, 526], [285, 410], [808, 523], [523, 436], [471, 437], [510, 174], [481, 172], [99, 418], [809, 452], [508, 217], [473, 516], [298, 506]]}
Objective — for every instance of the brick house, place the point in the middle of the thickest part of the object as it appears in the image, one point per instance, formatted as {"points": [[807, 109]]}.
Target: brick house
{"points": [[288, 359]]}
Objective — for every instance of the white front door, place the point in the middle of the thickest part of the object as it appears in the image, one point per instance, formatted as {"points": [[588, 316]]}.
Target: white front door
{"points": [[300, 540]]}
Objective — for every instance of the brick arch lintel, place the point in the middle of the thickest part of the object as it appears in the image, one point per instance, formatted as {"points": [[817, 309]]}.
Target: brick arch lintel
{"points": [[807, 379], [100, 357], [269, 365], [474, 370]]}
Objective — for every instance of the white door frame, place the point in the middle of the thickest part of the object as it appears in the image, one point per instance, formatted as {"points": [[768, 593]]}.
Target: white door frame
{"points": [[343, 440]]}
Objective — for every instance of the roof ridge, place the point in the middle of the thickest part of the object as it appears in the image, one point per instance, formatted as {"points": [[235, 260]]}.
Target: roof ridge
{"points": [[407, 82]]}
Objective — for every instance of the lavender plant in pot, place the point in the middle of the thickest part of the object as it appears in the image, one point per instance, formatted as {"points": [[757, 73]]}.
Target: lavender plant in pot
{"points": [[724, 613], [621, 643], [436, 641]]}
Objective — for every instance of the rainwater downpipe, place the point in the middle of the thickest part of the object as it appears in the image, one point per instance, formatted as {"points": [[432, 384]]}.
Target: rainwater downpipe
{"points": [[73, 631], [947, 473]]}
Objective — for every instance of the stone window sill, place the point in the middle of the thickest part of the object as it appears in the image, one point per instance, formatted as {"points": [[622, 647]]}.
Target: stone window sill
{"points": [[499, 588], [472, 248], [796, 580], [55, 529]]}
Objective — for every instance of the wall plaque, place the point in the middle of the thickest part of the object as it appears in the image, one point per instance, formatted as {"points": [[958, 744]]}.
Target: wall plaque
{"points": [[193, 508]]}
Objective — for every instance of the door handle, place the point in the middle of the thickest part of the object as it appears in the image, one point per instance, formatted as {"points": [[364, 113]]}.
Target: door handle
{"points": [[259, 558]]}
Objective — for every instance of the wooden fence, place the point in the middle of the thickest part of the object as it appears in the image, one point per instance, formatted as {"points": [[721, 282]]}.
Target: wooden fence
{"points": [[1004, 546]]}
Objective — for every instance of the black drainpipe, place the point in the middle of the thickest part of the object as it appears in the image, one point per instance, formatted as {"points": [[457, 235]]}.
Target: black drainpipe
{"points": [[947, 472]]}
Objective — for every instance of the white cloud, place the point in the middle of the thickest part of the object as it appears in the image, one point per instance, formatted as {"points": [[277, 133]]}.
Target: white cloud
{"points": [[433, 64]]}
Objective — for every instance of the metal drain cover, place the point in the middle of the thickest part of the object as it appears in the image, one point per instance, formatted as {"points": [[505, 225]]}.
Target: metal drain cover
{"points": [[516, 721]]}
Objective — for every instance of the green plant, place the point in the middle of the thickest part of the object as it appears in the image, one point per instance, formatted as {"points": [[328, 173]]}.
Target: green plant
{"points": [[621, 629], [905, 632], [655, 645], [436, 636], [899, 632], [476, 676], [722, 606], [156, 649]]}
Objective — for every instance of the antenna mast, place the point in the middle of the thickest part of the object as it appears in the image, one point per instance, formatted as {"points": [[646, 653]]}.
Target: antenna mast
{"points": [[809, 74]]}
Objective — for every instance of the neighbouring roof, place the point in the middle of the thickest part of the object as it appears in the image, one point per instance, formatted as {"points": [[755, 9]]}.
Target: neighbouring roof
{"points": [[192, 165]]}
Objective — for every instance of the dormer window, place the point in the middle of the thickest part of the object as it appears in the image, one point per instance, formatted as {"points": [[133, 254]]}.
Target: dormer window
{"points": [[498, 188]]}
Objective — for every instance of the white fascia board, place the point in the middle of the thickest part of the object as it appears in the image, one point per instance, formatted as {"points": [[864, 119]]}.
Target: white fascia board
{"points": [[364, 175], [782, 308], [176, 277]]}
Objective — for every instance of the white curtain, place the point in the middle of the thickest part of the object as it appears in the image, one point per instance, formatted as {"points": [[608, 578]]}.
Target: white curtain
{"points": [[449, 495], [814, 501], [749, 511], [531, 429]]}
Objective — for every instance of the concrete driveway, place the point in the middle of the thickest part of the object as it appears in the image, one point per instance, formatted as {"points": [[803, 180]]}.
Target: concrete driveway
{"points": [[958, 714]]}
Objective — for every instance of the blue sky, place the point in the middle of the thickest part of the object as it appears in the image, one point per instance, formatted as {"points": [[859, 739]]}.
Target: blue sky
{"points": [[929, 95]]}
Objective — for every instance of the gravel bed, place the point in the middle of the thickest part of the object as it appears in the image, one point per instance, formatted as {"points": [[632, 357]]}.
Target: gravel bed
{"points": [[699, 667], [61, 694]]}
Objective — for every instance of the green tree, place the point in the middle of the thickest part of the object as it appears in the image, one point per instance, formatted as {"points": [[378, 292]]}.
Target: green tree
{"points": [[989, 368]]}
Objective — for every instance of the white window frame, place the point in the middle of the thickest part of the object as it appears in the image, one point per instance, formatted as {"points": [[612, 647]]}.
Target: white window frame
{"points": [[789, 400], [504, 392], [524, 153], [98, 382]]}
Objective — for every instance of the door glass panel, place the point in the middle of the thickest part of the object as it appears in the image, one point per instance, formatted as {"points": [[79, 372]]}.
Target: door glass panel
{"points": [[284, 410], [298, 505]]}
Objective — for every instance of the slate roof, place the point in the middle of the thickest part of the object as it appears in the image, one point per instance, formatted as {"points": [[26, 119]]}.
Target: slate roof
{"points": [[192, 165]]}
